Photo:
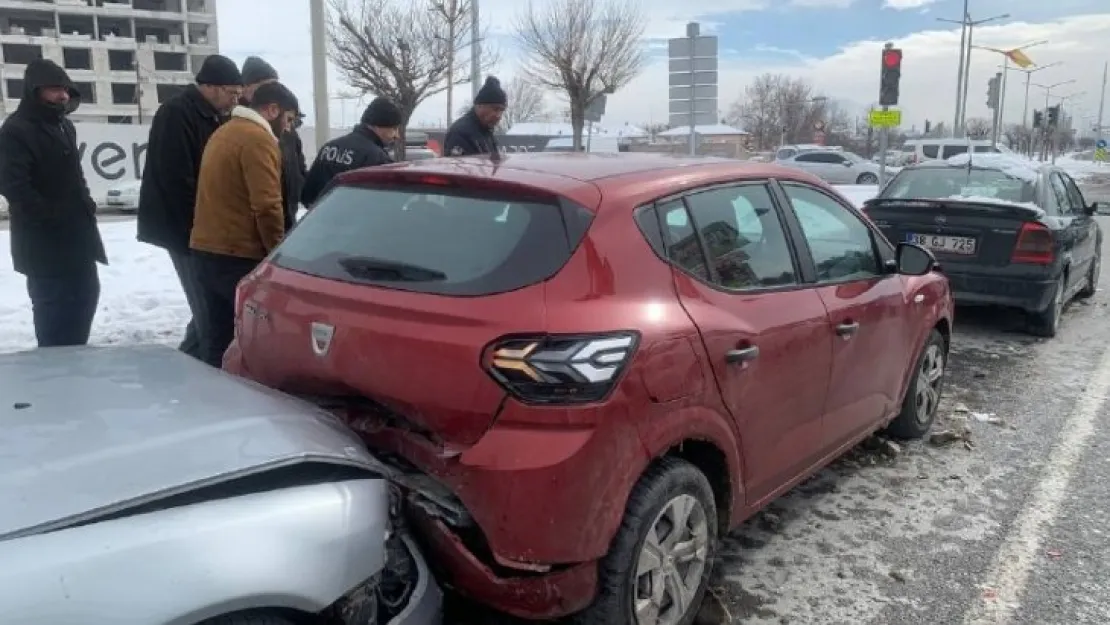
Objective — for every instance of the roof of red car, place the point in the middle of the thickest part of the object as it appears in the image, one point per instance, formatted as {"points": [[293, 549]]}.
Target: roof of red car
{"points": [[594, 167]]}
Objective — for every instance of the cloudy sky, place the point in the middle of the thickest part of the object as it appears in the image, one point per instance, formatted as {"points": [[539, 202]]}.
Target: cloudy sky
{"points": [[833, 43]]}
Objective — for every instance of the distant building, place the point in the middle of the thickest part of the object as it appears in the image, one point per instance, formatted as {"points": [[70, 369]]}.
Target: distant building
{"points": [[126, 56]]}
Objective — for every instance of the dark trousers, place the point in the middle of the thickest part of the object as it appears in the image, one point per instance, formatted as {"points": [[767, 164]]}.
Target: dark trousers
{"points": [[186, 274], [218, 276], [64, 304]]}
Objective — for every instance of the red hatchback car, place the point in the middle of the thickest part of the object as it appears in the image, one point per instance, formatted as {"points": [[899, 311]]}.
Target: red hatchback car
{"points": [[584, 369]]}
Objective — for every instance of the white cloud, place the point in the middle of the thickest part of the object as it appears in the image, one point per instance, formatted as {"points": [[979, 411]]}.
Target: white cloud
{"points": [[902, 5], [852, 74]]}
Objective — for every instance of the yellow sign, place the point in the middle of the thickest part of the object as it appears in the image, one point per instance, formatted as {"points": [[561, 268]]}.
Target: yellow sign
{"points": [[885, 119], [1019, 58], [1100, 155]]}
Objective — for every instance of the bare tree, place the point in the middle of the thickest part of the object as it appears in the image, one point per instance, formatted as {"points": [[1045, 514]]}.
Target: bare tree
{"points": [[405, 51], [582, 48], [778, 108], [978, 128], [526, 103]]}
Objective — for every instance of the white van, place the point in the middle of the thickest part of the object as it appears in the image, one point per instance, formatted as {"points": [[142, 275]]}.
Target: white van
{"points": [[920, 150], [598, 145]]}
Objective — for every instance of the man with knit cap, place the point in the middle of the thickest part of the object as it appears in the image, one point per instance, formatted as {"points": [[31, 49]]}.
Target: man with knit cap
{"points": [[367, 145], [473, 133], [178, 134], [257, 72]]}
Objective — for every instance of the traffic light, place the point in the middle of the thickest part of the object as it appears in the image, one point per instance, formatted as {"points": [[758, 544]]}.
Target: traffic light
{"points": [[890, 77], [1053, 116], [1038, 119], [993, 89]]}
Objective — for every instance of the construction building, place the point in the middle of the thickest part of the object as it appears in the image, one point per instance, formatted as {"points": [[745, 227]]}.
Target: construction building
{"points": [[126, 56]]}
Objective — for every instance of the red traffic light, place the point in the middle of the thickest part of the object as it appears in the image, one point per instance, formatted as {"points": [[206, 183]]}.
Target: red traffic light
{"points": [[892, 58]]}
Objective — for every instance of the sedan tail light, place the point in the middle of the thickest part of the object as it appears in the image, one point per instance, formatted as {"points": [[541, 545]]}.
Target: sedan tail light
{"points": [[1035, 245], [560, 369]]}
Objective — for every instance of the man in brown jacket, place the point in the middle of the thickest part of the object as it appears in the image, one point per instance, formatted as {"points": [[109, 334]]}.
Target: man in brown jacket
{"points": [[240, 216]]}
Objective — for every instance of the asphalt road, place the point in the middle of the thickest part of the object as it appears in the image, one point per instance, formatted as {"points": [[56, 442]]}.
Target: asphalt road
{"points": [[1008, 528]]}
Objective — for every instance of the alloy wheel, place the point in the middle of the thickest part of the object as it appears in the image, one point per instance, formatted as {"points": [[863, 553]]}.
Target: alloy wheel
{"points": [[672, 562], [869, 179], [1096, 269], [929, 378]]}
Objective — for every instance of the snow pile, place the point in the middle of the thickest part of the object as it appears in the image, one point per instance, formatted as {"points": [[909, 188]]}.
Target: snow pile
{"points": [[1011, 164], [1082, 169], [140, 302], [857, 194]]}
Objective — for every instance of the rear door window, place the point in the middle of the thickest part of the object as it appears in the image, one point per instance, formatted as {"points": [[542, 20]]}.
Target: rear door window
{"points": [[930, 151], [431, 240], [952, 150]]}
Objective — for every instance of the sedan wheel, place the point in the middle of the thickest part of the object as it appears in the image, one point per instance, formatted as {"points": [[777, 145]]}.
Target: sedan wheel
{"points": [[867, 179], [672, 563], [929, 377]]}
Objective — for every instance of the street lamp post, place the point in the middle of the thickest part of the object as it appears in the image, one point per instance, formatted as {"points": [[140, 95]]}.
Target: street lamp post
{"points": [[1028, 79], [475, 51], [999, 114], [1048, 94], [318, 19], [961, 90]]}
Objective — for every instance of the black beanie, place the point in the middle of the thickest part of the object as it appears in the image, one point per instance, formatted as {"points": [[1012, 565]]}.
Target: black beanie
{"points": [[492, 93], [255, 70], [382, 113], [220, 71]]}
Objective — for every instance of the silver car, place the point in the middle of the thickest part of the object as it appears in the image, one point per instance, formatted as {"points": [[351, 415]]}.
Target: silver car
{"points": [[835, 167], [141, 487]]}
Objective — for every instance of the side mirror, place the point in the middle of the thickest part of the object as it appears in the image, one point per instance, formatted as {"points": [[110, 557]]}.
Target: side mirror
{"points": [[914, 260], [847, 163], [1099, 208]]}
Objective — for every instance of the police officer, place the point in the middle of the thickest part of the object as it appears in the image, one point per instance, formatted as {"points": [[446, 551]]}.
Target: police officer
{"points": [[365, 146], [473, 133]]}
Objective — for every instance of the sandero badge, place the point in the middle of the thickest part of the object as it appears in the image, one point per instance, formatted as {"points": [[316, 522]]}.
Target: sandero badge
{"points": [[556, 368], [321, 334]]}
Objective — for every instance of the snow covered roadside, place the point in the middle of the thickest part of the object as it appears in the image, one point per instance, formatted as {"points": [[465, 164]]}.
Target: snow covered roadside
{"points": [[858, 193], [140, 301]]}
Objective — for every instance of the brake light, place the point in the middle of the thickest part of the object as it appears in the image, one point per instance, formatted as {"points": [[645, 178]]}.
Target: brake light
{"points": [[437, 181], [562, 369], [1035, 245]]}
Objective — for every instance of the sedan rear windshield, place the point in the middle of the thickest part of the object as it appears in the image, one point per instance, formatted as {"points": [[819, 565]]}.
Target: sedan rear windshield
{"points": [[430, 240], [956, 182]]}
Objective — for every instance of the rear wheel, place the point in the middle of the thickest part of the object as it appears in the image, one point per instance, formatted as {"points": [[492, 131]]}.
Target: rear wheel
{"points": [[868, 178], [1092, 276], [919, 407], [657, 570], [1046, 323]]}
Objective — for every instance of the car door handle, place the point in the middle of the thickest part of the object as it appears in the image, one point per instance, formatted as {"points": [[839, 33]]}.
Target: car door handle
{"points": [[742, 355], [847, 329]]}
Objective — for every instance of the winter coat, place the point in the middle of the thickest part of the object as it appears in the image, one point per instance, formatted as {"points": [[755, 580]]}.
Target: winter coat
{"points": [[292, 175], [361, 147], [178, 133], [468, 136], [239, 205], [52, 213]]}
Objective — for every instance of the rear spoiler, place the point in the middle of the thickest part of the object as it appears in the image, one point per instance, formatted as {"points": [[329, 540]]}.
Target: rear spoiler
{"points": [[969, 208]]}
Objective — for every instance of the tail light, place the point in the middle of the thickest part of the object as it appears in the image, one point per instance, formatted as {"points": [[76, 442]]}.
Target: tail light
{"points": [[561, 369], [1035, 245]]}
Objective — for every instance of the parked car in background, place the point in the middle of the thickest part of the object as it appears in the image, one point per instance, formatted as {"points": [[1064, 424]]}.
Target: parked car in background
{"points": [[1008, 231], [660, 345], [123, 197], [788, 151], [418, 154], [921, 150], [145, 488], [835, 167]]}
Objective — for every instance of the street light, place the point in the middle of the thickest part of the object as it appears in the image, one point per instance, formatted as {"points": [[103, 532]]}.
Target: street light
{"points": [[318, 19], [961, 90], [999, 113], [1048, 90], [1028, 77]]}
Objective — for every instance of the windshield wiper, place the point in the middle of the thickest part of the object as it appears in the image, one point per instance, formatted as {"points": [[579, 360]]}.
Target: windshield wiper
{"points": [[367, 268]]}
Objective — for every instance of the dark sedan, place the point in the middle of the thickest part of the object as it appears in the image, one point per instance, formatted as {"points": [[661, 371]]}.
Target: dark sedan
{"points": [[1007, 232]]}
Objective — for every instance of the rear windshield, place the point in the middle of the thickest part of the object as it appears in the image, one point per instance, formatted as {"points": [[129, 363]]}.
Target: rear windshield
{"points": [[954, 182], [427, 240]]}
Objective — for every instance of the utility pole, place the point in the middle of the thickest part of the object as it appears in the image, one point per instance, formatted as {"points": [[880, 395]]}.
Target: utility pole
{"points": [[1102, 101], [139, 86], [968, 25], [318, 21], [964, 54], [452, 24], [475, 51]]}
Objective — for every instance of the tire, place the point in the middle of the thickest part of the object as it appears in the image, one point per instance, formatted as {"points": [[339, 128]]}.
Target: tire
{"points": [[665, 488], [919, 406], [248, 618], [1046, 323], [867, 179], [1092, 277]]}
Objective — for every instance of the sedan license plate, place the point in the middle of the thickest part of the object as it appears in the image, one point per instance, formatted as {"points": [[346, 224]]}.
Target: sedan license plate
{"points": [[949, 245]]}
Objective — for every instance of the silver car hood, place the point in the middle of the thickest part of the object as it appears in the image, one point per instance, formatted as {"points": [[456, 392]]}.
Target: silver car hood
{"points": [[86, 432]]}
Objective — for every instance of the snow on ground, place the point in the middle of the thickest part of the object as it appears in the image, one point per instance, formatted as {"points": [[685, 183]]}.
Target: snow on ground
{"points": [[858, 193], [140, 302], [1082, 169]]}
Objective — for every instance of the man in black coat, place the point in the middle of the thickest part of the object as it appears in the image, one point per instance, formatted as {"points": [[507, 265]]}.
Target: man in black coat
{"points": [[473, 133], [367, 145], [178, 133], [54, 237], [257, 72]]}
